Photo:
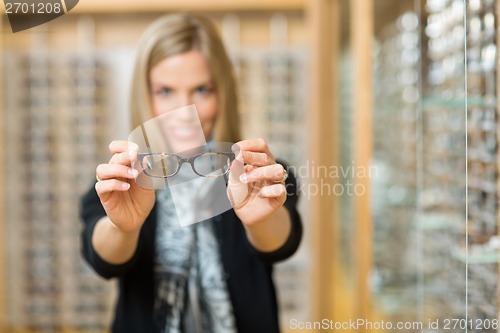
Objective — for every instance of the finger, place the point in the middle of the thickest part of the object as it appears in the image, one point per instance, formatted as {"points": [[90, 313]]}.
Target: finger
{"points": [[237, 191], [273, 191], [256, 159], [273, 173], [236, 170], [257, 145], [249, 168], [110, 171], [124, 152], [122, 158], [120, 146], [106, 186]]}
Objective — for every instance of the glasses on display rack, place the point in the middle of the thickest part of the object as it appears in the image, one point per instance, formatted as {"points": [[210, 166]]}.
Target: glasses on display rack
{"points": [[56, 108], [208, 164], [435, 141]]}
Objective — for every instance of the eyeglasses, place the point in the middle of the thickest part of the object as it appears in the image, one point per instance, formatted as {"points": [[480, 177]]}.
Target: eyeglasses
{"points": [[208, 164]]}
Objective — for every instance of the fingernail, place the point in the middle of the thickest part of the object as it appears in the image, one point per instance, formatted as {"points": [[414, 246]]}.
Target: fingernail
{"points": [[126, 186], [133, 172], [235, 148], [244, 178]]}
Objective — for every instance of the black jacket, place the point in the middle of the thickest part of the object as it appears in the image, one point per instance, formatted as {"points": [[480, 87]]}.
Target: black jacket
{"points": [[248, 271]]}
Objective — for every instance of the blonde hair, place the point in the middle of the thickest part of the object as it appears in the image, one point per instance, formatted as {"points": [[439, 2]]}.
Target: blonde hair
{"points": [[179, 33]]}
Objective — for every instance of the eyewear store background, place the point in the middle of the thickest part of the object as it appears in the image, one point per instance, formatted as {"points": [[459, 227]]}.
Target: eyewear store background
{"points": [[394, 140]]}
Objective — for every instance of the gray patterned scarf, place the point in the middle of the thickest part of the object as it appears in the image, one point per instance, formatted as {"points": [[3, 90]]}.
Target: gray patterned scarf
{"points": [[191, 292]]}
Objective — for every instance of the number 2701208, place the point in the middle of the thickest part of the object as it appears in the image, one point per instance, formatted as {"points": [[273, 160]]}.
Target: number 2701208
{"points": [[33, 8], [476, 324]]}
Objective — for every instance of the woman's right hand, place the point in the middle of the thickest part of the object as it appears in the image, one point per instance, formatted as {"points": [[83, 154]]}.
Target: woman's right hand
{"points": [[126, 204]]}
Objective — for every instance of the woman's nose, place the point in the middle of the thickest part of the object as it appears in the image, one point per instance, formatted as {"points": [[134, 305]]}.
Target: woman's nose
{"points": [[185, 99], [186, 116]]}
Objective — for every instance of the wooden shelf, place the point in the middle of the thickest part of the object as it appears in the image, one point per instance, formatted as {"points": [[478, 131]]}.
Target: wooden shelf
{"points": [[3, 263], [134, 6]]}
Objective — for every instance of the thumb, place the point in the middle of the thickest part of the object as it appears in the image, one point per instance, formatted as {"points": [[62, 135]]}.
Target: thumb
{"points": [[237, 191]]}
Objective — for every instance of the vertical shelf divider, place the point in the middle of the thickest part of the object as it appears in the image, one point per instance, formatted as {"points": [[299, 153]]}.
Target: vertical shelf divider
{"points": [[324, 23], [3, 273], [361, 25], [497, 93]]}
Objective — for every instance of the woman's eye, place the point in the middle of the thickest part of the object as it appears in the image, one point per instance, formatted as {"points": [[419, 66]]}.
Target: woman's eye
{"points": [[203, 90], [164, 91]]}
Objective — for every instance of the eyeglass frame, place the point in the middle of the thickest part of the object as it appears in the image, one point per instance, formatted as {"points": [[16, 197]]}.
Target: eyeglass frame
{"points": [[181, 160]]}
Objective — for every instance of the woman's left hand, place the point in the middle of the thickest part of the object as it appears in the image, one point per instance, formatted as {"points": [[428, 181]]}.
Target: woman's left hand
{"points": [[256, 186]]}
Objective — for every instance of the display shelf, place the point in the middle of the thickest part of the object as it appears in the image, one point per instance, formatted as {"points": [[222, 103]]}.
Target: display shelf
{"points": [[438, 101], [436, 221], [134, 6], [42, 210], [490, 257]]}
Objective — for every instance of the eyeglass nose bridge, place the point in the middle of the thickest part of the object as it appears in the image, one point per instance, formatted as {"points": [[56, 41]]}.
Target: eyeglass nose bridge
{"points": [[189, 160]]}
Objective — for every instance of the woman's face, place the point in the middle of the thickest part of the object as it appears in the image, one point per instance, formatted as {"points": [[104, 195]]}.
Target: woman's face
{"points": [[178, 81]]}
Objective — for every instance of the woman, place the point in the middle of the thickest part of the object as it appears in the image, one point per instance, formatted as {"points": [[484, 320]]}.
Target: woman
{"points": [[214, 276]]}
